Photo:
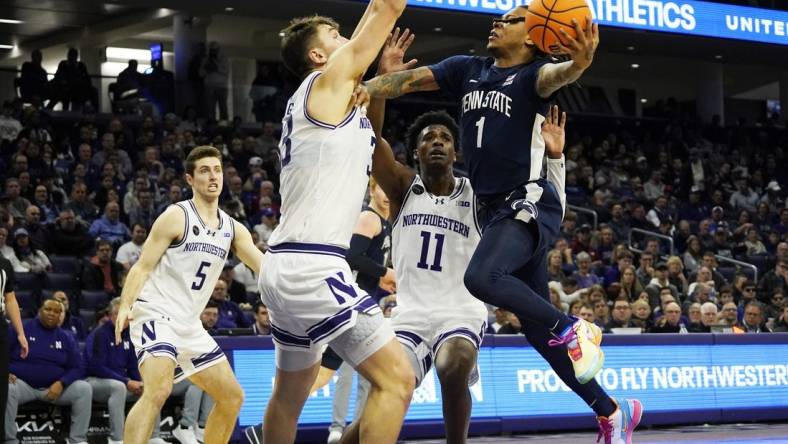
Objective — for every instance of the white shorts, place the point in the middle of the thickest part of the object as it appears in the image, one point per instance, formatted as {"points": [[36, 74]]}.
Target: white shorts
{"points": [[422, 335], [311, 297], [190, 346]]}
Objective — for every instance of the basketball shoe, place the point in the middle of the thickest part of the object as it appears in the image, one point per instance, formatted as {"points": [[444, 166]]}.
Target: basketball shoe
{"points": [[618, 428], [582, 341]]}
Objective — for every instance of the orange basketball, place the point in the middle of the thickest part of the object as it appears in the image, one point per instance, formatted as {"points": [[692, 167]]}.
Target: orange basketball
{"points": [[546, 17]]}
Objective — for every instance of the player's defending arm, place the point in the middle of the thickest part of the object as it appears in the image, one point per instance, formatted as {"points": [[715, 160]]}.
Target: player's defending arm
{"points": [[330, 97], [244, 247], [553, 76], [554, 141], [393, 177], [167, 228]]}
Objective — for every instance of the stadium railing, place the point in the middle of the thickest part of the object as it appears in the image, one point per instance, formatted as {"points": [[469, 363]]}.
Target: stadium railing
{"points": [[740, 264], [646, 234], [592, 213]]}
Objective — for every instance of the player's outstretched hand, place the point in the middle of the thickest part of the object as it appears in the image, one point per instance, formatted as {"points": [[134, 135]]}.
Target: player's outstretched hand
{"points": [[393, 53], [553, 133], [124, 315], [581, 49]]}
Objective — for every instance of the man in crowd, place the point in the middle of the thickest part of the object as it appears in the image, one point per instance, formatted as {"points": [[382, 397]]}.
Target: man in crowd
{"points": [[753, 321], [230, 314], [262, 323], [82, 207], [109, 227], [621, 316], [774, 280], [69, 236], [708, 317], [210, 316], [71, 323], [645, 270], [103, 273], [729, 314], [671, 321], [50, 373], [129, 253]]}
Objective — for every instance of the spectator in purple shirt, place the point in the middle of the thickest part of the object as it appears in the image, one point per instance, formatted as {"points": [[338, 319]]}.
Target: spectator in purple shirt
{"points": [[51, 373], [585, 278]]}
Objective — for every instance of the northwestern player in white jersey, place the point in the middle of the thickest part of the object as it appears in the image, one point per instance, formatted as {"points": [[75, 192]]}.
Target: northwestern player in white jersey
{"points": [[312, 299], [167, 289], [504, 101]]}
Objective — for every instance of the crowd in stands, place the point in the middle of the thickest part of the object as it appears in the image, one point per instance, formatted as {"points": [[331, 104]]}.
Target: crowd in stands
{"points": [[79, 195]]}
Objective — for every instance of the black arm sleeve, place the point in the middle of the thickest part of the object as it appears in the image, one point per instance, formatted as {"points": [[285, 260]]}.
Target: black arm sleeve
{"points": [[358, 260]]}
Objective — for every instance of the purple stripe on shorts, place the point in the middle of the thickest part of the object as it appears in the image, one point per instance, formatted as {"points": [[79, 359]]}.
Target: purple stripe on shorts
{"points": [[299, 247]]}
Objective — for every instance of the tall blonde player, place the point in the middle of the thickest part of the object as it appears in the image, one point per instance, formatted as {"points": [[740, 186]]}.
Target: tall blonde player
{"points": [[308, 287], [169, 287]]}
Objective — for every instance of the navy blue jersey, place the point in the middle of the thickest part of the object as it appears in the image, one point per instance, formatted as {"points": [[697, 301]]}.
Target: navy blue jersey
{"points": [[378, 251], [501, 117]]}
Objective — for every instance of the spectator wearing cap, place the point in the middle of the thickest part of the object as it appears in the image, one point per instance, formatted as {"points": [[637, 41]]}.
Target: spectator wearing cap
{"points": [[695, 209], [659, 213], [35, 260], [717, 219], [102, 272], [109, 227], [129, 253], [230, 314], [771, 195], [753, 320], [744, 198], [585, 278], [73, 324], [621, 316], [708, 317], [52, 373], [8, 253], [613, 273]]}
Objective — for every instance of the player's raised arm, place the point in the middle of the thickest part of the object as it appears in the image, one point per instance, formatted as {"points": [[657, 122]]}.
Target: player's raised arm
{"points": [[244, 247], [396, 84], [554, 135], [393, 177], [168, 228], [329, 99], [553, 76]]}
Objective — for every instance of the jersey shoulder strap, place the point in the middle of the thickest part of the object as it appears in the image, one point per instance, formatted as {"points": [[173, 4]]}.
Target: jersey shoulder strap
{"points": [[416, 187]]}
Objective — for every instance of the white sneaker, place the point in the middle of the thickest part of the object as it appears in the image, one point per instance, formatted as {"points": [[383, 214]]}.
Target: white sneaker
{"points": [[199, 432], [112, 441], [157, 441], [185, 436], [333, 437]]}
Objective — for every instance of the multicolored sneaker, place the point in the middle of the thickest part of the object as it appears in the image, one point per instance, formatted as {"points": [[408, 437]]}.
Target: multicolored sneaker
{"points": [[618, 428], [582, 346]]}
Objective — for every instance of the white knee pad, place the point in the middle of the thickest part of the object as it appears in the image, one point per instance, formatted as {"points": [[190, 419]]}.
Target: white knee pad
{"points": [[370, 333], [295, 360]]}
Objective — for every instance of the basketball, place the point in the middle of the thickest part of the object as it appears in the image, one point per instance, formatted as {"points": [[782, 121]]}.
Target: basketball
{"points": [[546, 17]]}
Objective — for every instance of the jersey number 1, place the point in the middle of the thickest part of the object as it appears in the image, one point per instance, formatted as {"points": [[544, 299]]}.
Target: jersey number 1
{"points": [[426, 236], [479, 132]]}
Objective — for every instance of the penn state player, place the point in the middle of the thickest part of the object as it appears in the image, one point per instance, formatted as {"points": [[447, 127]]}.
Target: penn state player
{"points": [[165, 292], [326, 151], [504, 101]]}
